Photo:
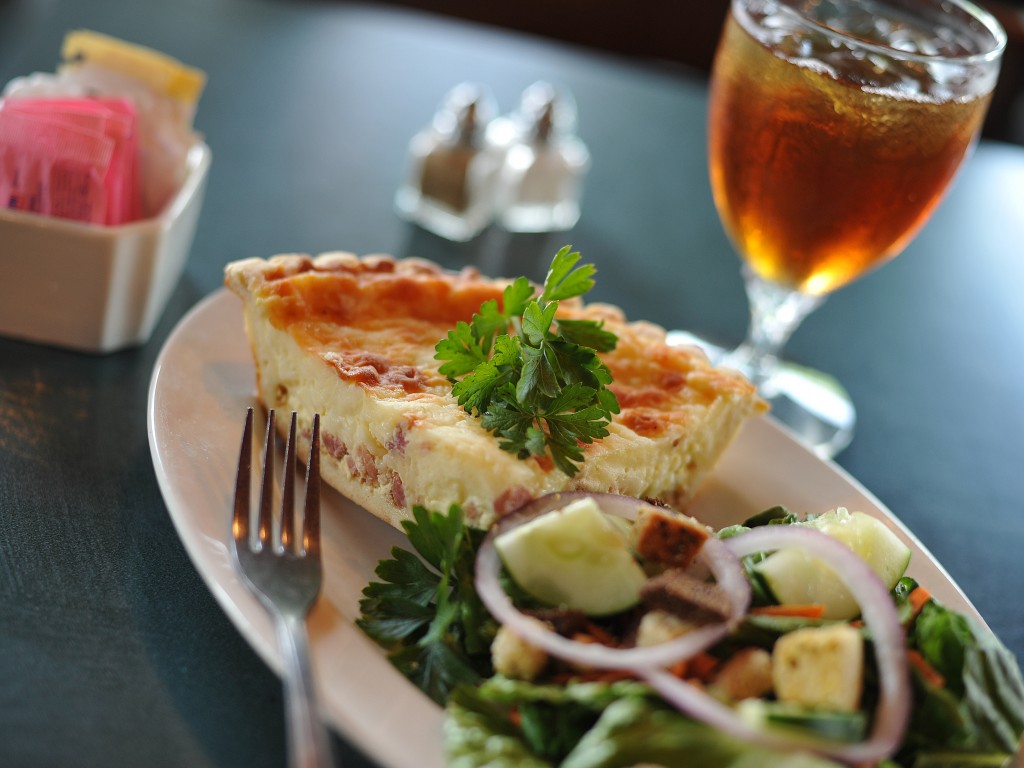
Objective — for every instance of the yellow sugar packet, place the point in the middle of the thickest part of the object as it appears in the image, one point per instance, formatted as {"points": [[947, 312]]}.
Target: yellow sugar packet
{"points": [[157, 71]]}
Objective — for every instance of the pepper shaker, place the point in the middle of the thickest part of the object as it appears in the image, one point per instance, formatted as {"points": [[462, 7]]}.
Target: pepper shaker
{"points": [[449, 189]]}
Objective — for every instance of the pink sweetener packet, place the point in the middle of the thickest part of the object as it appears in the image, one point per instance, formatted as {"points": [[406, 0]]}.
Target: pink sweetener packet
{"points": [[128, 157], [53, 169], [113, 118]]}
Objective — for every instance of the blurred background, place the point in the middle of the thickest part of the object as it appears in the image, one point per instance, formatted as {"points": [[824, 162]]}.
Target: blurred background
{"points": [[686, 33]]}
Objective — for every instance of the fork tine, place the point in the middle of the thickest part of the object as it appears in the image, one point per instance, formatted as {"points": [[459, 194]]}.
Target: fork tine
{"points": [[311, 508], [240, 517], [286, 581], [265, 522], [288, 492]]}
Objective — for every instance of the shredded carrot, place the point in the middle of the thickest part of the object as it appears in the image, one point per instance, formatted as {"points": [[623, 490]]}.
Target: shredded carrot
{"points": [[601, 635], [804, 611], [699, 668], [928, 672], [680, 668], [610, 675], [918, 597], [592, 633], [702, 666]]}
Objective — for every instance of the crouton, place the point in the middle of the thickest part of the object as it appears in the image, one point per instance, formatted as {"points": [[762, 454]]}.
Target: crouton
{"points": [[667, 537], [820, 667], [687, 597], [658, 627], [516, 658], [747, 674]]}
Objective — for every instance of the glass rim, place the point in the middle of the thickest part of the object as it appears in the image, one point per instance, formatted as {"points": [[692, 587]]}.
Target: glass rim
{"points": [[974, 12]]}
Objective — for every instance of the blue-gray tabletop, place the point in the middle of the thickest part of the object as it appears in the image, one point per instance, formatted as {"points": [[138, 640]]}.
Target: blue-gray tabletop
{"points": [[113, 651]]}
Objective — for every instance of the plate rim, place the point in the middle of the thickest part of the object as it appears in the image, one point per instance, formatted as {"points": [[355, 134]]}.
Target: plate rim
{"points": [[212, 558]]}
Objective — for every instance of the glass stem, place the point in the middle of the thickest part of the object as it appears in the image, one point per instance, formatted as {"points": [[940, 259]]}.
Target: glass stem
{"points": [[775, 312]]}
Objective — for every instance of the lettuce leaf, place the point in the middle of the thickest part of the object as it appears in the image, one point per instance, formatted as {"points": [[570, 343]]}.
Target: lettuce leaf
{"points": [[979, 707], [637, 730], [510, 722], [608, 725]]}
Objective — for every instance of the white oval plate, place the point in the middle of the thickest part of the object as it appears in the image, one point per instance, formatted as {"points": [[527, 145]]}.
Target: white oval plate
{"points": [[202, 384]]}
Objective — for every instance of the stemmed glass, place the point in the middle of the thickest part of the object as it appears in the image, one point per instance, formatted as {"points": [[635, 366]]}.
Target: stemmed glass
{"points": [[835, 127]]}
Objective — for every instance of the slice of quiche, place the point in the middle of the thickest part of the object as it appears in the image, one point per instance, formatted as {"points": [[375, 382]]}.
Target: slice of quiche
{"points": [[353, 339]]}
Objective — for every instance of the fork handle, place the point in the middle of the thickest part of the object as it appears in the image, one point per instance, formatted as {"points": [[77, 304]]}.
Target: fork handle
{"points": [[308, 745]]}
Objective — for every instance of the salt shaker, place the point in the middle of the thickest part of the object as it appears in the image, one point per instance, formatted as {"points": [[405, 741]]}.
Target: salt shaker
{"points": [[541, 178], [449, 189]]}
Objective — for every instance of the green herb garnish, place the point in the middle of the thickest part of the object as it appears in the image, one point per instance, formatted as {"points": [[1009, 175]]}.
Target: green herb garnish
{"points": [[426, 612], [536, 382]]}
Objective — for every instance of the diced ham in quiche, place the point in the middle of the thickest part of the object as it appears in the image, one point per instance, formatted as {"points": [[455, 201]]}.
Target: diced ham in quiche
{"points": [[353, 339]]}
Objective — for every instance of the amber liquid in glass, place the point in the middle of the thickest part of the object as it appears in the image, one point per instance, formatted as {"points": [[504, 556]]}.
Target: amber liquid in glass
{"points": [[816, 179]]}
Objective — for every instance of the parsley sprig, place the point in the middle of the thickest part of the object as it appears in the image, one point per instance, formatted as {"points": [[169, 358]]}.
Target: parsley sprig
{"points": [[425, 610], [536, 381]]}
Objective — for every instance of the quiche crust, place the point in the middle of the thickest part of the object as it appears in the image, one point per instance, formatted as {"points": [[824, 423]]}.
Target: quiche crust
{"points": [[353, 339]]}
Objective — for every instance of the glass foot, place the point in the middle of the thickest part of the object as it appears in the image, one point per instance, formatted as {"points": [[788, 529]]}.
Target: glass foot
{"points": [[810, 404]]}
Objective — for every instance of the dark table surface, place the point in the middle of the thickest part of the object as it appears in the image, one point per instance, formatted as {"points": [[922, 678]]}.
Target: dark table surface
{"points": [[113, 651]]}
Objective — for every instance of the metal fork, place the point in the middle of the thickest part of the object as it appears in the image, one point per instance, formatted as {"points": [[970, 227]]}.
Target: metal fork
{"points": [[285, 573]]}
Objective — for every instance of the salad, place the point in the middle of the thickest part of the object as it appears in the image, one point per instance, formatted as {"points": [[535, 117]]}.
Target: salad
{"points": [[590, 630], [595, 630]]}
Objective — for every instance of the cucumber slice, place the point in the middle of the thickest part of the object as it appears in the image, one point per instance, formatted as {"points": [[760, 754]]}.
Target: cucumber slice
{"points": [[795, 577], [822, 724], [575, 557]]}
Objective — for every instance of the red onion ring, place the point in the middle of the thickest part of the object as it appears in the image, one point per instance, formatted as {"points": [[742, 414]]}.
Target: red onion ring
{"points": [[881, 618], [724, 565], [610, 503]]}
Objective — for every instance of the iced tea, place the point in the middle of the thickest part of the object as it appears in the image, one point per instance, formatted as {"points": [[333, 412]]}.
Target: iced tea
{"points": [[818, 177]]}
